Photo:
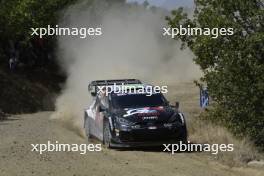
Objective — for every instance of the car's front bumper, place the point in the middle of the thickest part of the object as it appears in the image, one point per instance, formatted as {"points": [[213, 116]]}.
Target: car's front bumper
{"points": [[141, 144], [157, 136]]}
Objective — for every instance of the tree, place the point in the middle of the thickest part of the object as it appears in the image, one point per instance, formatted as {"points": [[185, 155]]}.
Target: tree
{"points": [[233, 65], [19, 16]]}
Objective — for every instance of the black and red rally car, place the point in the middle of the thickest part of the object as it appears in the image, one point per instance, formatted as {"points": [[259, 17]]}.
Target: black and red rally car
{"points": [[132, 119]]}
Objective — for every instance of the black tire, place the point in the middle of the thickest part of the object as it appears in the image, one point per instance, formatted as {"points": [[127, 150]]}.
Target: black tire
{"points": [[86, 126], [184, 134], [107, 135]]}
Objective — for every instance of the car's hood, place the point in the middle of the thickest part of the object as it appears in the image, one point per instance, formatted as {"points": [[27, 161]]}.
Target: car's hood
{"points": [[146, 114]]}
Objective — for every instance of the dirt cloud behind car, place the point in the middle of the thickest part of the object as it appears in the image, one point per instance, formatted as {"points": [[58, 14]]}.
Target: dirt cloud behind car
{"points": [[131, 46]]}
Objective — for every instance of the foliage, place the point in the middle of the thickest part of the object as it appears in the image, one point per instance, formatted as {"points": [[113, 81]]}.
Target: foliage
{"points": [[18, 16], [233, 65]]}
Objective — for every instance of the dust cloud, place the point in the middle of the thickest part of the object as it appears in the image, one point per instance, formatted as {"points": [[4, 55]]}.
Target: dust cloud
{"points": [[131, 46]]}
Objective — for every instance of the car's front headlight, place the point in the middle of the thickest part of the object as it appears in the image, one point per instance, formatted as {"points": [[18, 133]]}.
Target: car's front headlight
{"points": [[123, 121]]}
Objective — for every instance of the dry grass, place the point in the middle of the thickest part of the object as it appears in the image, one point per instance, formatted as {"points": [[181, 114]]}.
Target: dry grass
{"points": [[207, 133], [202, 132]]}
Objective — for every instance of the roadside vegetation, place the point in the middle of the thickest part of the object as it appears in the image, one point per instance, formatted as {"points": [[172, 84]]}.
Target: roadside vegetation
{"points": [[233, 65], [203, 131], [34, 78], [29, 84]]}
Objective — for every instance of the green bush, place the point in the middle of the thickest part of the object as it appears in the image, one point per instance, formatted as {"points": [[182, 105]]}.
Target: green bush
{"points": [[233, 65]]}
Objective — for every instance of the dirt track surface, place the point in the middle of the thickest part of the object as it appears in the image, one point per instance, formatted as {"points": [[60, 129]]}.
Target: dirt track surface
{"points": [[18, 133], [16, 158]]}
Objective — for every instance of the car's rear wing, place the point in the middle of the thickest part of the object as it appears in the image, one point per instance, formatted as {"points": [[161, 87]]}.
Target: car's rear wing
{"points": [[93, 86]]}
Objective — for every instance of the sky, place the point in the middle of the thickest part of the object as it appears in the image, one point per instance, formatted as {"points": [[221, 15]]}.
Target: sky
{"points": [[169, 4]]}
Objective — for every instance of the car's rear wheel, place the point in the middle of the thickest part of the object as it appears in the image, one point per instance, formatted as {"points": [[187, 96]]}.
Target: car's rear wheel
{"points": [[107, 135]]}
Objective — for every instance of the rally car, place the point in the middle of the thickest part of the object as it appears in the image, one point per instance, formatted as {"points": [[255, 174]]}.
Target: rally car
{"points": [[132, 119]]}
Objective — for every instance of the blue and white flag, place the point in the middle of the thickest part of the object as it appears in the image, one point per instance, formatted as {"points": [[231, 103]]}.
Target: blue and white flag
{"points": [[204, 97]]}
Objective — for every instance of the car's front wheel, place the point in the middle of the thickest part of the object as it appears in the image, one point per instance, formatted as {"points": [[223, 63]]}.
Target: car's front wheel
{"points": [[107, 135], [184, 134]]}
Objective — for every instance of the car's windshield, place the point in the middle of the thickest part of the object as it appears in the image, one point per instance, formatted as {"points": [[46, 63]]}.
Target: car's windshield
{"points": [[137, 100]]}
